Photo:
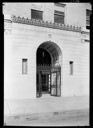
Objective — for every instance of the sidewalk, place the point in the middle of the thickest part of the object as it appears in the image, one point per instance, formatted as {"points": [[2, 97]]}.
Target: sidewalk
{"points": [[46, 104]]}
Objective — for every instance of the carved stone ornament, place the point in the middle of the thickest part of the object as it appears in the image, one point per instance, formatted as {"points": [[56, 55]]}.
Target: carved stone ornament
{"points": [[45, 24]]}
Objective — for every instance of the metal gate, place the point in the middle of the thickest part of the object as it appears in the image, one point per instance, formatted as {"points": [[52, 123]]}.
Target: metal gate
{"points": [[51, 77]]}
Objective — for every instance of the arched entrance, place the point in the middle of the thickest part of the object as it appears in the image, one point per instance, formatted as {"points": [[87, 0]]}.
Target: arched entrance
{"points": [[48, 59]]}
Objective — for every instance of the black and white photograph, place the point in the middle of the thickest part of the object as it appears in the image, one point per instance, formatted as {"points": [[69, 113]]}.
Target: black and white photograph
{"points": [[46, 63]]}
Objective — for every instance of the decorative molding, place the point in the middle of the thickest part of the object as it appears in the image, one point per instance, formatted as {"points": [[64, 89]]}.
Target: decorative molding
{"points": [[87, 40], [7, 31], [84, 32], [47, 24], [7, 20], [7, 26]]}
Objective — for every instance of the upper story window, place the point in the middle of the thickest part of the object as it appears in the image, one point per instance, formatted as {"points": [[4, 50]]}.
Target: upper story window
{"points": [[35, 14], [59, 17], [88, 13], [60, 4]]}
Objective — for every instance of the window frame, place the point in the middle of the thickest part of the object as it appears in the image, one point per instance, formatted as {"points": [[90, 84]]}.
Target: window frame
{"points": [[24, 66], [88, 14], [38, 11], [60, 15], [71, 63], [59, 4]]}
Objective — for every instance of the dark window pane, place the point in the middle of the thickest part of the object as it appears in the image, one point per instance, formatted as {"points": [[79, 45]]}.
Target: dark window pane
{"points": [[59, 17], [24, 66], [60, 4], [71, 67], [59, 13], [88, 13], [87, 27], [35, 14]]}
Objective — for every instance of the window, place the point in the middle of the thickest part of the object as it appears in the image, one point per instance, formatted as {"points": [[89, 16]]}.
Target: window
{"points": [[86, 40], [24, 66], [59, 17], [35, 14], [60, 4], [88, 13], [71, 67]]}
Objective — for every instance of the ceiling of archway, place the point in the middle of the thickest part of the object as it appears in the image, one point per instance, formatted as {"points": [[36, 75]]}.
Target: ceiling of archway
{"points": [[52, 48]]}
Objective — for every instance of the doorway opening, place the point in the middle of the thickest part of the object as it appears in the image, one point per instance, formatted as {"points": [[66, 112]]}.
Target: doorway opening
{"points": [[48, 76]]}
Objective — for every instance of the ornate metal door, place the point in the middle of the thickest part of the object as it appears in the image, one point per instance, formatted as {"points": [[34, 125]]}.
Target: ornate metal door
{"points": [[53, 84], [56, 81], [43, 72], [39, 87]]}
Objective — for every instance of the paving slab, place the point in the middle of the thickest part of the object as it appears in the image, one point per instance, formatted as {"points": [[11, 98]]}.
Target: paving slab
{"points": [[46, 104], [66, 118]]}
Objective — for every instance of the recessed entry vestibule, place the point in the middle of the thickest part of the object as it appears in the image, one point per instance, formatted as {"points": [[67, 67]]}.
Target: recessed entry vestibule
{"points": [[48, 75]]}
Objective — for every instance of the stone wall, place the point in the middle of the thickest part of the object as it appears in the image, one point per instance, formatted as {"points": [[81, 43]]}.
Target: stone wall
{"points": [[22, 40]]}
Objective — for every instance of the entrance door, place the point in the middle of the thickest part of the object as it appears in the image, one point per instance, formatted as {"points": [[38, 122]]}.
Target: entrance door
{"points": [[39, 87], [56, 82], [53, 83], [44, 83], [49, 82]]}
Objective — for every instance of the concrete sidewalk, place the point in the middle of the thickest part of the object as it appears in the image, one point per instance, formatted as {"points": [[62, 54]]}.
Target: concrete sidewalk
{"points": [[64, 118], [45, 104]]}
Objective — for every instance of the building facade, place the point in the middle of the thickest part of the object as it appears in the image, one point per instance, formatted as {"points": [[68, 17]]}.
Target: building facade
{"points": [[46, 49]]}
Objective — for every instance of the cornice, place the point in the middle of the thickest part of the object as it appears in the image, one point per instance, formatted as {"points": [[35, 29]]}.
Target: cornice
{"points": [[45, 24], [85, 32]]}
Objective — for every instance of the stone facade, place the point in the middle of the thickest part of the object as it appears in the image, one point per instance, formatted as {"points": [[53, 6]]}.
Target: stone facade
{"points": [[23, 36]]}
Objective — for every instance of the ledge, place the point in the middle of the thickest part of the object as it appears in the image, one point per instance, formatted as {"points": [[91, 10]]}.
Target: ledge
{"points": [[85, 31], [45, 24]]}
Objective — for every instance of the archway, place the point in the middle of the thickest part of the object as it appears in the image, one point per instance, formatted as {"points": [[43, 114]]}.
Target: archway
{"points": [[48, 59]]}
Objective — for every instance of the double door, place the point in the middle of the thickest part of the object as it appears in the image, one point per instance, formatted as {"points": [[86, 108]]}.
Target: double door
{"points": [[45, 82], [56, 83], [49, 82]]}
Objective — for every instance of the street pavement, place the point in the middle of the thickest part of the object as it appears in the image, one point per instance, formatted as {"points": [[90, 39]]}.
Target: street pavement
{"points": [[55, 111], [65, 118]]}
